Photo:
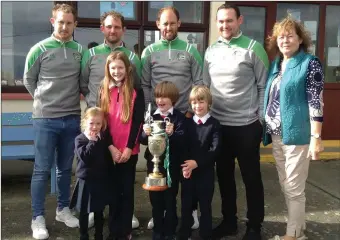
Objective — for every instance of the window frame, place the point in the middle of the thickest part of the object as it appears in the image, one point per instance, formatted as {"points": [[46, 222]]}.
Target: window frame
{"points": [[141, 24]]}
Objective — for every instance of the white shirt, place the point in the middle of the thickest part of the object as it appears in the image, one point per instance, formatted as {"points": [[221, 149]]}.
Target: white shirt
{"points": [[158, 111], [203, 119]]}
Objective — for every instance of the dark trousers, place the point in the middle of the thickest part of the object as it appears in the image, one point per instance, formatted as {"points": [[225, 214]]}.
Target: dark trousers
{"points": [[165, 201], [165, 225], [243, 143], [121, 206], [201, 186], [98, 225]]}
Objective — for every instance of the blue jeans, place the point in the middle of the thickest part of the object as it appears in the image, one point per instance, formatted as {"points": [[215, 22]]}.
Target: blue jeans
{"points": [[53, 143]]}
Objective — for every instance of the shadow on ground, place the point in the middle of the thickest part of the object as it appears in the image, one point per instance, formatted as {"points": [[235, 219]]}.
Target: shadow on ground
{"points": [[322, 211]]}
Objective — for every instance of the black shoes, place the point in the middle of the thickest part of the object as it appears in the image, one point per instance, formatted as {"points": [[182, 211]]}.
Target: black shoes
{"points": [[224, 229], [252, 234]]}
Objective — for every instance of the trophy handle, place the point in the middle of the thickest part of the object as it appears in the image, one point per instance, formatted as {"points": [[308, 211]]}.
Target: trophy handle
{"points": [[167, 120]]}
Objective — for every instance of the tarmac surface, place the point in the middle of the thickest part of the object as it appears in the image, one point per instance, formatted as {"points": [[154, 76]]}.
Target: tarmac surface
{"points": [[322, 206]]}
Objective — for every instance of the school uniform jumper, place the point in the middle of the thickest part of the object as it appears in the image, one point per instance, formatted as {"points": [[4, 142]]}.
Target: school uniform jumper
{"points": [[94, 164], [124, 135], [203, 140], [165, 225]]}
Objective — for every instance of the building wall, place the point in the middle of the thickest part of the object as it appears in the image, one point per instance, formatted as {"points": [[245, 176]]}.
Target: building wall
{"points": [[213, 34]]}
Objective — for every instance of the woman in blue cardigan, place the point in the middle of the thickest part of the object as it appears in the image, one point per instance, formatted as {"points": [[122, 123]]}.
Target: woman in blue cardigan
{"points": [[293, 116]]}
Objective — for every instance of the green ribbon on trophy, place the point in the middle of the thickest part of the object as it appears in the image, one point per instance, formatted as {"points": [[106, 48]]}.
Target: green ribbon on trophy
{"points": [[167, 161]]}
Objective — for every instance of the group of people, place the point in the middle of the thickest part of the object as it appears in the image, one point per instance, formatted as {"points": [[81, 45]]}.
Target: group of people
{"points": [[220, 108]]}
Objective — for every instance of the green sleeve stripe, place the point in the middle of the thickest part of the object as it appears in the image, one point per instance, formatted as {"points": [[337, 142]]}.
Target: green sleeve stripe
{"points": [[261, 54], [85, 58], [138, 64], [192, 50], [33, 55], [146, 53]]}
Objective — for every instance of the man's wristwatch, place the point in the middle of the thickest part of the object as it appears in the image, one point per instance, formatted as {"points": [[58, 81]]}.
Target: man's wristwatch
{"points": [[316, 135]]}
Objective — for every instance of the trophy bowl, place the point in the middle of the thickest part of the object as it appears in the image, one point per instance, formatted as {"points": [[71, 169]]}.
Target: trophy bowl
{"points": [[156, 181]]}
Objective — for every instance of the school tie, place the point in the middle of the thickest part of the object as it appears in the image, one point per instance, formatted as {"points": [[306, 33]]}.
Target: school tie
{"points": [[199, 122], [163, 116]]}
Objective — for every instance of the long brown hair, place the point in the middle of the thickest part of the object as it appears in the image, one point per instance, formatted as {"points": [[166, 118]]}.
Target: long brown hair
{"points": [[126, 88]]}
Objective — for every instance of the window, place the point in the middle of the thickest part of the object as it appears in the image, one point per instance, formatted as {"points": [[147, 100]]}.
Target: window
{"points": [[95, 9], [190, 12], [254, 22], [20, 31], [195, 38], [308, 14], [332, 44]]}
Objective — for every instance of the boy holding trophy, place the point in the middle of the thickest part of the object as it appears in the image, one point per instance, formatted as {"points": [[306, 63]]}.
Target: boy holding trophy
{"points": [[163, 197]]}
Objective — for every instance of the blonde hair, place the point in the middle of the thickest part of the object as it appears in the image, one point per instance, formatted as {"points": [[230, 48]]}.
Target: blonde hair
{"points": [[167, 89], [93, 112], [127, 86], [288, 24], [200, 93], [65, 8]]}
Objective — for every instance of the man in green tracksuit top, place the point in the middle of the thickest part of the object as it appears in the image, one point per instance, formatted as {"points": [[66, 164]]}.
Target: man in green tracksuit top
{"points": [[51, 76], [171, 59], [94, 59], [235, 69]]}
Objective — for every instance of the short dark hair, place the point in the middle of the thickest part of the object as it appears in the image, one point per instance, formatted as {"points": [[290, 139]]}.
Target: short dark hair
{"points": [[230, 6], [173, 9], [114, 14], [92, 44]]}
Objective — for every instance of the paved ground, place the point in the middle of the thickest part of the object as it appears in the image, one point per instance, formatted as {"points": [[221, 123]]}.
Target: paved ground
{"points": [[322, 192]]}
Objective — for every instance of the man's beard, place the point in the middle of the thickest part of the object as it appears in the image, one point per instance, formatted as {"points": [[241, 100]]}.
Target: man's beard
{"points": [[113, 42], [174, 35]]}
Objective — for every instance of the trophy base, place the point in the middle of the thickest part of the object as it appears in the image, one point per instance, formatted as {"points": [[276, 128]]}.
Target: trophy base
{"points": [[155, 182], [155, 188]]}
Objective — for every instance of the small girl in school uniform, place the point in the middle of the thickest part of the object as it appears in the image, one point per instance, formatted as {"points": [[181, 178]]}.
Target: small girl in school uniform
{"points": [[124, 106], [93, 164], [164, 209]]}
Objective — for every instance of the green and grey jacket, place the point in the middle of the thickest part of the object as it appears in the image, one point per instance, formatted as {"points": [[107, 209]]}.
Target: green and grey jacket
{"points": [[93, 70], [176, 61], [236, 72], [51, 76]]}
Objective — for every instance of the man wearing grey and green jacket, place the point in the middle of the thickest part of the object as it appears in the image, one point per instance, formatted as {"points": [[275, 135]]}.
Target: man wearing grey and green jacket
{"points": [[51, 76], [94, 59], [235, 69], [171, 59]]}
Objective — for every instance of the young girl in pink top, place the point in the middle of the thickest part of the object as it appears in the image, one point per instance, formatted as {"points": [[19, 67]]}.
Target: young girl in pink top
{"points": [[124, 106]]}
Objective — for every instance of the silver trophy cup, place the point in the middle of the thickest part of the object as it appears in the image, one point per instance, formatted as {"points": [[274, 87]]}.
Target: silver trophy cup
{"points": [[156, 181]]}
